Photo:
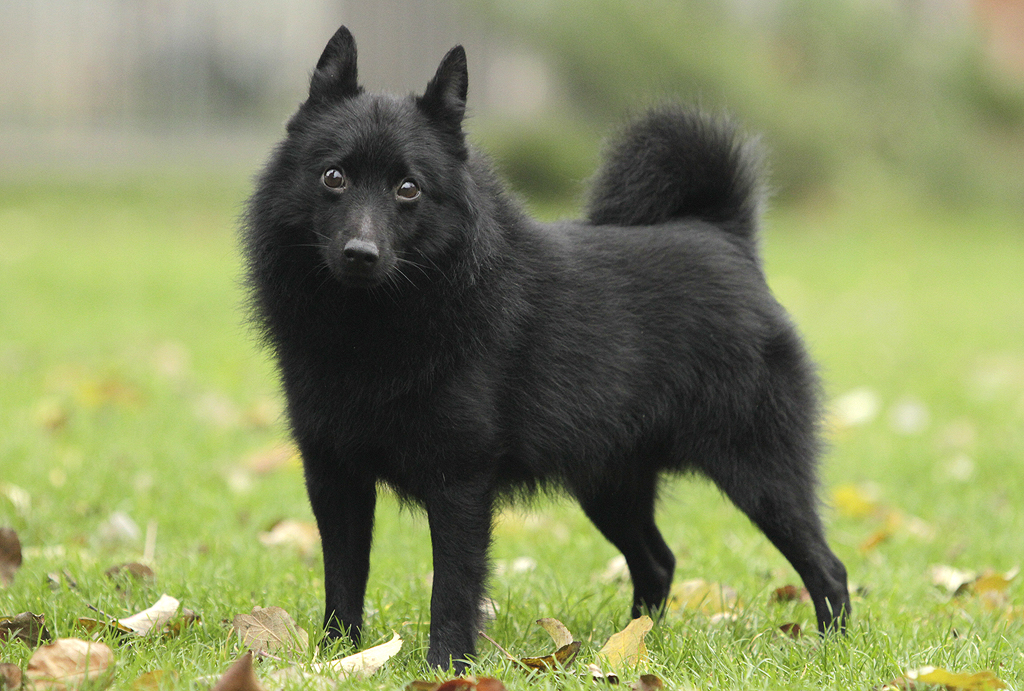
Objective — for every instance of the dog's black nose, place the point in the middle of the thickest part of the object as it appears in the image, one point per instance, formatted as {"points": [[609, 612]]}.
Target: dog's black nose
{"points": [[361, 253]]}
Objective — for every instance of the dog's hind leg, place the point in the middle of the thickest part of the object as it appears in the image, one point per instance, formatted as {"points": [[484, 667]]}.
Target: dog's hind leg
{"points": [[625, 516], [784, 509]]}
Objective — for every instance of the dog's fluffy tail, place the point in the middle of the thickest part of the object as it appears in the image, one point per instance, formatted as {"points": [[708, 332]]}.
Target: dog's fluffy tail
{"points": [[675, 163]]}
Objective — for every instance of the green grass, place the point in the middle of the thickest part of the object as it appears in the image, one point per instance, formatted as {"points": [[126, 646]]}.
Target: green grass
{"points": [[129, 383]]}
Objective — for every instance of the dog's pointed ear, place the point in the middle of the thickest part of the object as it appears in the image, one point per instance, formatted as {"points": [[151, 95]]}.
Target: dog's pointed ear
{"points": [[335, 75], [445, 97]]}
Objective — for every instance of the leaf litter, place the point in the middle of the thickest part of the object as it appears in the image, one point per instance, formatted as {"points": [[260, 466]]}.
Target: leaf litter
{"points": [[68, 663], [10, 556]]}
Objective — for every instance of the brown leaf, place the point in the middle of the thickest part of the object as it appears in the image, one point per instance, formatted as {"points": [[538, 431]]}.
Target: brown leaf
{"points": [[489, 684], [27, 627], [648, 682], [562, 657], [10, 555], [790, 593], [10, 677], [270, 630], [457, 684], [239, 677], [627, 647], [791, 629], [67, 662], [134, 570], [152, 681]]}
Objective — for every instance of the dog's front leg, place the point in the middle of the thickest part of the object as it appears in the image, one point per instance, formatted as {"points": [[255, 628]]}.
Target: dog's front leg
{"points": [[343, 505], [460, 534]]}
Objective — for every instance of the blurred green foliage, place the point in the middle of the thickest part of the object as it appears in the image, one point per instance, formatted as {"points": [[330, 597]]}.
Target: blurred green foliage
{"points": [[839, 90]]}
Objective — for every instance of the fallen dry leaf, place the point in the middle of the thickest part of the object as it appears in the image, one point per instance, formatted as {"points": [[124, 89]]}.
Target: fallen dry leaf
{"points": [[365, 663], [276, 457], [324, 675], [300, 535], [134, 570], [792, 630], [950, 578], [990, 587], [457, 684], [422, 685], [10, 555], [239, 677], [627, 647], [27, 627], [648, 682], [790, 593], [599, 675], [566, 651], [67, 662], [10, 676], [153, 681], [953, 681], [270, 631], [699, 595], [856, 501], [561, 658], [557, 630], [152, 618]]}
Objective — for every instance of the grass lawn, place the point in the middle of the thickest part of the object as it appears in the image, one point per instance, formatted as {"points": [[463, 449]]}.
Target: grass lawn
{"points": [[130, 387]]}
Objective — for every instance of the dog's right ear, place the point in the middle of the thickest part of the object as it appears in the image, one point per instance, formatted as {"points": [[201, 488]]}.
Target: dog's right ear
{"points": [[335, 76]]}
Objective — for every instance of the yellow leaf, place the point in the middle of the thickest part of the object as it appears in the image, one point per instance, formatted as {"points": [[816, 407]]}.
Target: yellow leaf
{"points": [[699, 595], [627, 646], [153, 681], [981, 681], [559, 633], [854, 501], [993, 582]]}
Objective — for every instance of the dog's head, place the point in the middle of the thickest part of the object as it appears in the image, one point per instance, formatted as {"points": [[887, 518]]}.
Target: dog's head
{"points": [[372, 181]]}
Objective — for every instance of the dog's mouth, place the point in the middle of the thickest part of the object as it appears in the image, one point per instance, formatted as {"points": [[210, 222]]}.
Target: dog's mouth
{"points": [[352, 279]]}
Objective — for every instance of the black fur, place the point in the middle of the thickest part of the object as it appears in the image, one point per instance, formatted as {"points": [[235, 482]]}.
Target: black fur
{"points": [[450, 347]]}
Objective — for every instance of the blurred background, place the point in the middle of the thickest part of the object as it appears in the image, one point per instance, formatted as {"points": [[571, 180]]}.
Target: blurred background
{"points": [[923, 96]]}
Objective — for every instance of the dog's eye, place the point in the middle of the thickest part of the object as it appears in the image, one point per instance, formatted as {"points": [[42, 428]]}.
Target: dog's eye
{"points": [[408, 190], [335, 179]]}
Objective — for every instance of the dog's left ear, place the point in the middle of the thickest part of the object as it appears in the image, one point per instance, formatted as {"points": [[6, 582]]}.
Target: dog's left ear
{"points": [[445, 98]]}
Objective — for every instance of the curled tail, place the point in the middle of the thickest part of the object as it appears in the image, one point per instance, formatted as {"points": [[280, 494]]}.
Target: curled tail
{"points": [[676, 163]]}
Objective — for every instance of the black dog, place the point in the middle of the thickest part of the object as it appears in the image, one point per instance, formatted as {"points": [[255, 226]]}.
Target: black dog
{"points": [[433, 338]]}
